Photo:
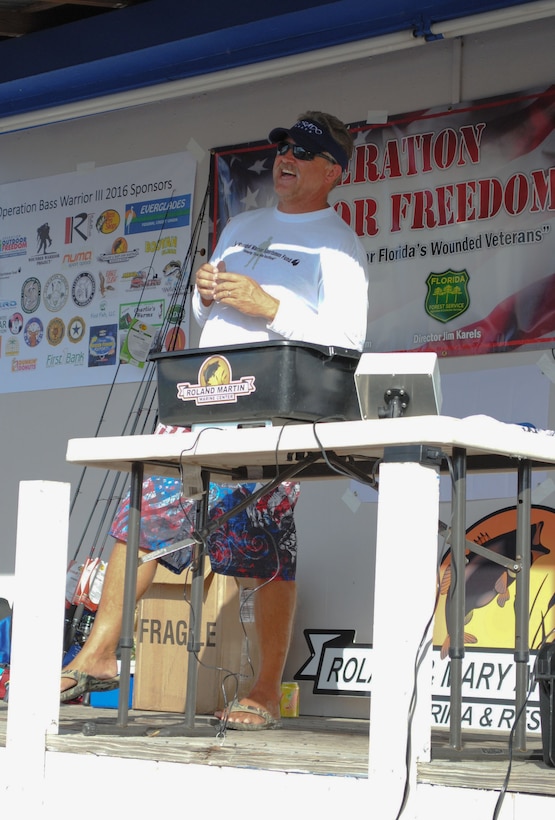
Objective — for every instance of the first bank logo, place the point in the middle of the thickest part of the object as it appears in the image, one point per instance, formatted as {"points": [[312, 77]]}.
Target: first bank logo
{"points": [[337, 665], [215, 384]]}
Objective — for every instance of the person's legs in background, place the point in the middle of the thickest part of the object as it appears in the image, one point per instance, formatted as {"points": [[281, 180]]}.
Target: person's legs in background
{"points": [[259, 546], [274, 612], [98, 655], [166, 518]]}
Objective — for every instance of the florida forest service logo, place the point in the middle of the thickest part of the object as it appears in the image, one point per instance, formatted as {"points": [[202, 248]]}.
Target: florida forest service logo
{"points": [[447, 295], [215, 384]]}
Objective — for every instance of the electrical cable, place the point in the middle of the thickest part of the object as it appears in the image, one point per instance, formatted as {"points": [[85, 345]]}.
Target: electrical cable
{"points": [[143, 406], [118, 366], [222, 729], [421, 652], [518, 715], [372, 481], [142, 410], [542, 622], [230, 674]]}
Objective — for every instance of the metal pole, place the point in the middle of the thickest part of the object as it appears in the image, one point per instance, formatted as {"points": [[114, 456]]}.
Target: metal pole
{"points": [[522, 602], [455, 603], [130, 590], [197, 596]]}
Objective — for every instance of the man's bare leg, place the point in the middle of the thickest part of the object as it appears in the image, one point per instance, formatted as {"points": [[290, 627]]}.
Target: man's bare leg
{"points": [[274, 610], [98, 655]]}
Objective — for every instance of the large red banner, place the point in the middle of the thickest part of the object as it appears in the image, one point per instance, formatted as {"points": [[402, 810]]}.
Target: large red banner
{"points": [[456, 209]]}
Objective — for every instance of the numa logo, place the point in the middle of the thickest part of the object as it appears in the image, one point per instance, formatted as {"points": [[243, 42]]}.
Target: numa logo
{"points": [[307, 125]]}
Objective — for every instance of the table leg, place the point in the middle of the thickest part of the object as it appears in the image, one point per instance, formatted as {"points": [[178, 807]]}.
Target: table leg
{"points": [[197, 597], [130, 591], [522, 602], [455, 604]]}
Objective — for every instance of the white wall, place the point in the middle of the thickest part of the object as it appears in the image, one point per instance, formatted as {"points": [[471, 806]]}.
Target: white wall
{"points": [[36, 427]]}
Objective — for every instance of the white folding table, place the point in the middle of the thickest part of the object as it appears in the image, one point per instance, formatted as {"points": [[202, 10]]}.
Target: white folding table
{"points": [[408, 455]]}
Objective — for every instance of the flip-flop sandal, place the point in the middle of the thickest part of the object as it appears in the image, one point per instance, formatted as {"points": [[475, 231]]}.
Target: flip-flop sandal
{"points": [[269, 722], [86, 683]]}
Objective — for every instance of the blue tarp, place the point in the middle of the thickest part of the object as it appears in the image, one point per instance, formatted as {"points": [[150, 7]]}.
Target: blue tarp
{"points": [[5, 640]]}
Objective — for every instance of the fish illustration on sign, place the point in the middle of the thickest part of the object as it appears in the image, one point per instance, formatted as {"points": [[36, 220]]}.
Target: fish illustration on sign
{"points": [[487, 581], [215, 370]]}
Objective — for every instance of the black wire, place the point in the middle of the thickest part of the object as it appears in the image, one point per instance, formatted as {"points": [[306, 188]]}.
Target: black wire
{"points": [[421, 652], [222, 729], [143, 408], [118, 366], [542, 623], [176, 309], [229, 674], [419, 658], [237, 676], [372, 481], [518, 715]]}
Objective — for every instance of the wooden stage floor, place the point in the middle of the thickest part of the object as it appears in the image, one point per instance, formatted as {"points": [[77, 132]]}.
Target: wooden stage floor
{"points": [[316, 745]]}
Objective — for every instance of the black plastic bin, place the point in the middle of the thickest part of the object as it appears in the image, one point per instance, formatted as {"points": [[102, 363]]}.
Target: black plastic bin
{"points": [[271, 382], [545, 676]]}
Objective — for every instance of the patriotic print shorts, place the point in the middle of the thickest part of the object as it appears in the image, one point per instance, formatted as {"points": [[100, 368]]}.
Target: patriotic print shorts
{"points": [[258, 542]]}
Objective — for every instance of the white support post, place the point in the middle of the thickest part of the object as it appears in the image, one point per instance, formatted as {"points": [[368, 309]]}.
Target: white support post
{"points": [[406, 559], [37, 635]]}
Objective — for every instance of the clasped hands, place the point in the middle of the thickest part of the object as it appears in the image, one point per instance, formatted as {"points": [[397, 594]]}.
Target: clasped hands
{"points": [[215, 284]]}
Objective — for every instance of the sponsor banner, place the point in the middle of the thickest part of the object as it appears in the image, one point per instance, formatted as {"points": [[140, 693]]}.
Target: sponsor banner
{"points": [[89, 265], [490, 586], [498, 717], [456, 209], [339, 666]]}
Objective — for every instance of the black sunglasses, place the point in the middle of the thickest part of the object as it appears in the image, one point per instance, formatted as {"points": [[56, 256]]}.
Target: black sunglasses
{"points": [[300, 153]]}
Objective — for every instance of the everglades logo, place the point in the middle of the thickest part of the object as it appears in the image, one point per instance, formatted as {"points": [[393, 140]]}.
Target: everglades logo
{"points": [[447, 295]]}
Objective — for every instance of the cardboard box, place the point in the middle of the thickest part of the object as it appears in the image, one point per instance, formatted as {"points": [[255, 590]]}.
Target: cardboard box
{"points": [[161, 660]]}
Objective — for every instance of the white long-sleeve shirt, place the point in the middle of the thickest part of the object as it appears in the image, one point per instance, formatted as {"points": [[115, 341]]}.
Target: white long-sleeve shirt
{"points": [[313, 263]]}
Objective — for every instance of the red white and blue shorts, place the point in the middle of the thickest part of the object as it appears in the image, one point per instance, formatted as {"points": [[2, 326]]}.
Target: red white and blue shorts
{"points": [[259, 542]]}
